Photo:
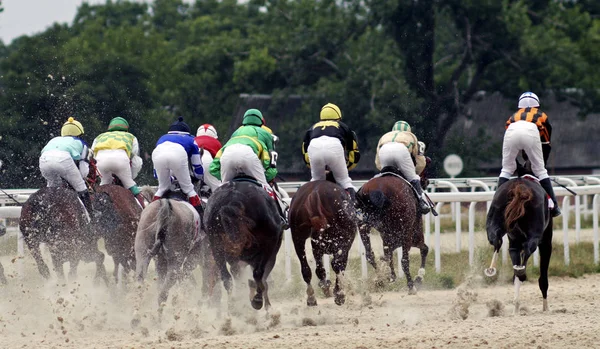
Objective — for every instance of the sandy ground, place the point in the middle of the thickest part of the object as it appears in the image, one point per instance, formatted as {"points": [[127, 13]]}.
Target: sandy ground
{"points": [[86, 314]]}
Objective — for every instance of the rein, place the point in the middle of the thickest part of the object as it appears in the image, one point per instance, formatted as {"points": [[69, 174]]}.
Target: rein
{"points": [[12, 197]]}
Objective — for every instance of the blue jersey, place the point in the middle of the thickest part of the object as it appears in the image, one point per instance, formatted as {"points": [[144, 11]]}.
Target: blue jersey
{"points": [[186, 140]]}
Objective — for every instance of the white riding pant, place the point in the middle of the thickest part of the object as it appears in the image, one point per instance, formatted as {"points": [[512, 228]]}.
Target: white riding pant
{"points": [[240, 158], [209, 179], [325, 152], [114, 161], [522, 135], [171, 158], [397, 155], [57, 165]]}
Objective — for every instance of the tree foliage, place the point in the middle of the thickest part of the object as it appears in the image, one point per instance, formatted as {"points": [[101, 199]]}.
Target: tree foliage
{"points": [[380, 61]]}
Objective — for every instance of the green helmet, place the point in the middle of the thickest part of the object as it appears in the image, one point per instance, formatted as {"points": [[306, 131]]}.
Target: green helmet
{"points": [[253, 117], [118, 124], [401, 126]]}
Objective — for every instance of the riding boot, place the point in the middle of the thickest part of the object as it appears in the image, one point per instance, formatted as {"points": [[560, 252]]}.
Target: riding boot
{"points": [[140, 199], [547, 185], [197, 203], [156, 198], [87, 203], [423, 206], [501, 180]]}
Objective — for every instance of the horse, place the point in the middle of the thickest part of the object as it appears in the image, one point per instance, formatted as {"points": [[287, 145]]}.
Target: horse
{"points": [[120, 213], [389, 205], [55, 216], [169, 229], [322, 211], [243, 225], [520, 209]]}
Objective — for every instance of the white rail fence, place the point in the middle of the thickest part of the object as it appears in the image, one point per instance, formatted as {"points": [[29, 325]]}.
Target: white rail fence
{"points": [[585, 186]]}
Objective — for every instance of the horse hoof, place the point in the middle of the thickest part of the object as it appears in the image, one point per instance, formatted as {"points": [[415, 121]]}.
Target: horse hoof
{"points": [[490, 272], [340, 299], [419, 280], [412, 291], [519, 270], [311, 301], [136, 321], [257, 302]]}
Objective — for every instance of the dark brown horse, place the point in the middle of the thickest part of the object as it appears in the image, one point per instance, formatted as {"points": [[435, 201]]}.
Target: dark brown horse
{"points": [[120, 214], [322, 211], [389, 205], [520, 209], [243, 225], [55, 216]]}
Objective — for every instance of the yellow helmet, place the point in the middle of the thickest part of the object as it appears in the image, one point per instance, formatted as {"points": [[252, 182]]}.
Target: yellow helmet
{"points": [[331, 111], [71, 128]]}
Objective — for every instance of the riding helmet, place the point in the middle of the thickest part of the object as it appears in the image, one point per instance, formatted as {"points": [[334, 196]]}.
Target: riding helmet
{"points": [[207, 130], [179, 126], [401, 126], [528, 100], [71, 128], [331, 111], [118, 124]]}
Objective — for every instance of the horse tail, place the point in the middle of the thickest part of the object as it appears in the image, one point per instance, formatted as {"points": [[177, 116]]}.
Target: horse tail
{"points": [[318, 219], [236, 226], [161, 225], [378, 199], [519, 196]]}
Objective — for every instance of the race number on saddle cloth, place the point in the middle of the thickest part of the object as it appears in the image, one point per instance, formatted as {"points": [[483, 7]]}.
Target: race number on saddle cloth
{"points": [[400, 148], [528, 130], [173, 154], [248, 152], [117, 153], [331, 144], [66, 157], [207, 139]]}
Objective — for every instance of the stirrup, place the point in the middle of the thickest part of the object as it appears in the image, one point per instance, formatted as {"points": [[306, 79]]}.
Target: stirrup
{"points": [[555, 212]]}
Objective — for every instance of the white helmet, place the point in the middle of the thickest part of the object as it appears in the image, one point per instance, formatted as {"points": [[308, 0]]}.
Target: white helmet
{"points": [[207, 130], [529, 100], [421, 148]]}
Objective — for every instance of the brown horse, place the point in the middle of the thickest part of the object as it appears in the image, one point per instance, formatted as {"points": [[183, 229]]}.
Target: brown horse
{"points": [[520, 209], [243, 225], [390, 206], [169, 229], [55, 216], [322, 211], [117, 224]]}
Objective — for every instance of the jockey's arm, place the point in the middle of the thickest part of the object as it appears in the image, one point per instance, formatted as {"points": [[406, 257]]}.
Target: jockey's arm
{"points": [[215, 165], [196, 162], [135, 148], [305, 144], [83, 162]]}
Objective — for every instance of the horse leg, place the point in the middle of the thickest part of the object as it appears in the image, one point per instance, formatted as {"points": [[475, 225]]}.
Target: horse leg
{"points": [[405, 262], [2, 277], [258, 285], [324, 284], [116, 269], [424, 249], [34, 248], [73, 263], [364, 230], [388, 256], [100, 269], [516, 252], [300, 245], [57, 264], [339, 266], [168, 282], [545, 253]]}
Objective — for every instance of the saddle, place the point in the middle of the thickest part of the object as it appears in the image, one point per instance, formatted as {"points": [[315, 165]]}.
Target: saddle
{"points": [[536, 180], [249, 179]]}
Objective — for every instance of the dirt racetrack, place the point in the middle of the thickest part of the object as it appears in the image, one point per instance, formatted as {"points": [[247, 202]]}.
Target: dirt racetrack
{"points": [[82, 314]]}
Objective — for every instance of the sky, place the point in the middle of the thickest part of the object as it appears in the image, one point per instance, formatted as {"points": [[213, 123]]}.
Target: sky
{"points": [[27, 17]]}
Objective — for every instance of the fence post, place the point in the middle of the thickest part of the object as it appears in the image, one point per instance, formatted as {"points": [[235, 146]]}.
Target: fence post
{"points": [[565, 224], [595, 207], [472, 232], [438, 243]]}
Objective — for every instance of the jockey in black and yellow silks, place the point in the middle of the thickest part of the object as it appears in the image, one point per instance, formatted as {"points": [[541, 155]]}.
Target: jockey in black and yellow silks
{"points": [[528, 130], [331, 144]]}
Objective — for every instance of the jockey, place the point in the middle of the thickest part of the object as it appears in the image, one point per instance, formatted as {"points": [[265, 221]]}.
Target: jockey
{"points": [[207, 139], [528, 130], [66, 157], [249, 151], [331, 143], [400, 148], [117, 153], [173, 154]]}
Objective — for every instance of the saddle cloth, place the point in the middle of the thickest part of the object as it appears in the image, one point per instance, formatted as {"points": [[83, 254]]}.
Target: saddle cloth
{"points": [[534, 179]]}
